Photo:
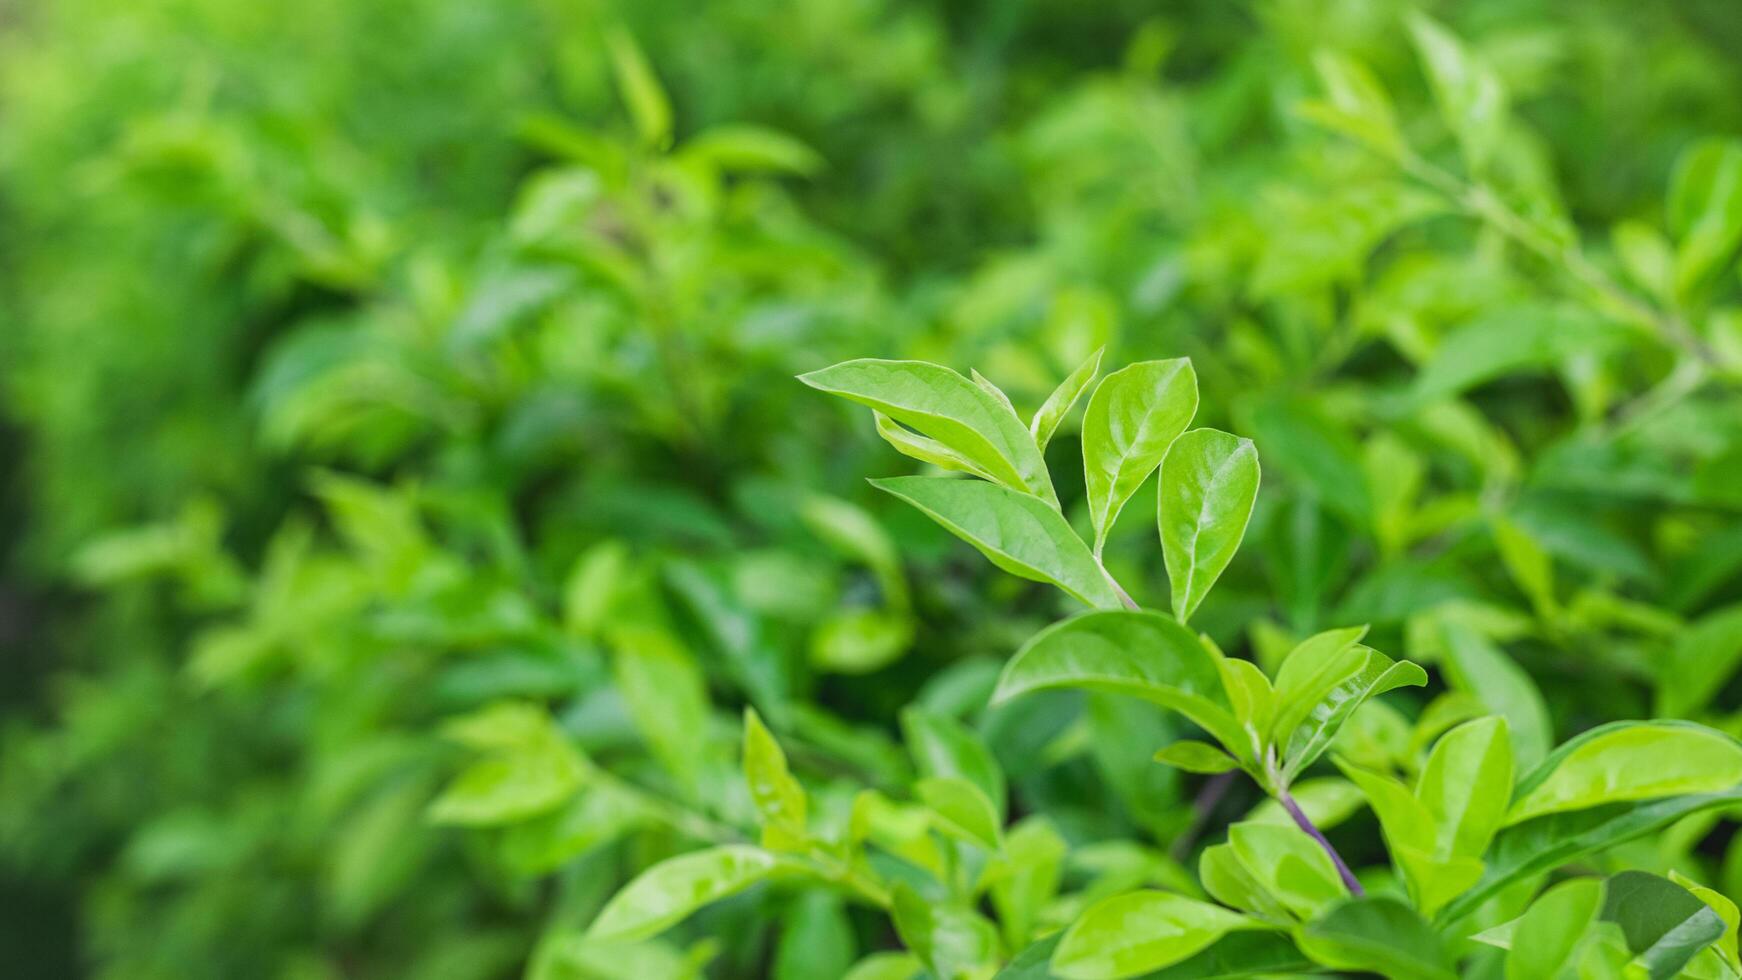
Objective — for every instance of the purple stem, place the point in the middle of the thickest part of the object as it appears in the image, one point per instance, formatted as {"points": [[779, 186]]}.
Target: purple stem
{"points": [[1301, 821], [1209, 795]]}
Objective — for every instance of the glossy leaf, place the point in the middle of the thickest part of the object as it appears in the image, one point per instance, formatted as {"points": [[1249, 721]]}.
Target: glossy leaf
{"points": [[1556, 924], [1377, 675], [778, 796], [1378, 934], [1209, 484], [1466, 786], [1664, 924], [944, 406], [1629, 761], [1138, 932], [1058, 404], [1140, 654], [668, 892], [1018, 533], [1727, 911], [1133, 417], [1474, 664], [944, 747], [963, 809], [1289, 865], [1200, 757]]}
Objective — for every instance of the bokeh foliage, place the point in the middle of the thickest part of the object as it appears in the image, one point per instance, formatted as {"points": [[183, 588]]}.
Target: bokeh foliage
{"points": [[389, 384]]}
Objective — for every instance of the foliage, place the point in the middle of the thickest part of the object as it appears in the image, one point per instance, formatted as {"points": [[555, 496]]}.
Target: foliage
{"points": [[442, 574]]}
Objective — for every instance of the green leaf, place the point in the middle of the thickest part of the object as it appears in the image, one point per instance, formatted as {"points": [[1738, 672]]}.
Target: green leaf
{"points": [[1377, 934], [531, 769], [1018, 533], [1701, 662], [1132, 934], [1141, 654], [950, 940], [1510, 340], [667, 698], [1309, 672], [1553, 841], [1317, 453], [850, 530], [941, 404], [1377, 675], [1466, 786], [1133, 417], [885, 966], [1025, 876], [1647, 257], [860, 641], [641, 91], [1209, 484], [915, 446], [1556, 923], [1625, 761], [1199, 757], [964, 810], [666, 893], [1410, 831], [1726, 910], [1705, 209], [1289, 865], [778, 796], [816, 938], [1058, 404], [1227, 880], [1355, 104], [741, 149], [1469, 94], [1473, 664], [1237, 954], [602, 812], [944, 747], [1665, 925]]}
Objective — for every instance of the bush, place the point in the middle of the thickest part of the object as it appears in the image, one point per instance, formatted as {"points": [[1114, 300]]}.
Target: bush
{"points": [[422, 560]]}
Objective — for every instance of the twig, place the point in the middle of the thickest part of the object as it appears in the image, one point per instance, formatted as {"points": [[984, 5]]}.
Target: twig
{"points": [[1301, 821]]}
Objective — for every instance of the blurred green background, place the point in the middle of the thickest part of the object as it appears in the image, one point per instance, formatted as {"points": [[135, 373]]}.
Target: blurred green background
{"points": [[351, 350]]}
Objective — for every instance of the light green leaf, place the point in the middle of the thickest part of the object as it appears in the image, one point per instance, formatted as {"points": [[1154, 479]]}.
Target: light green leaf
{"points": [[1555, 924], [1254, 703], [592, 587], [1701, 661], [1647, 257], [1309, 672], [1133, 417], [1726, 910], [1705, 209], [963, 809], [1297, 438], [1553, 841], [1510, 340], [741, 149], [666, 893], [1625, 761], [1018, 533], [1025, 876], [1199, 757], [1469, 94], [1380, 935], [941, 404], [1466, 786], [941, 746], [1664, 924], [1377, 675], [1132, 934], [778, 796], [860, 641], [915, 446], [1471, 663], [1226, 879], [531, 768], [850, 530], [1289, 865], [816, 938], [1529, 564], [885, 966], [641, 91], [667, 698], [1209, 484], [1058, 404], [1355, 104], [952, 941], [1326, 800], [1141, 654]]}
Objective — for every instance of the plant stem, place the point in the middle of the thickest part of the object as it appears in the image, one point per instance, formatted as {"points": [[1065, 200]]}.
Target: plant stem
{"points": [[1209, 795], [1301, 821], [1119, 590]]}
